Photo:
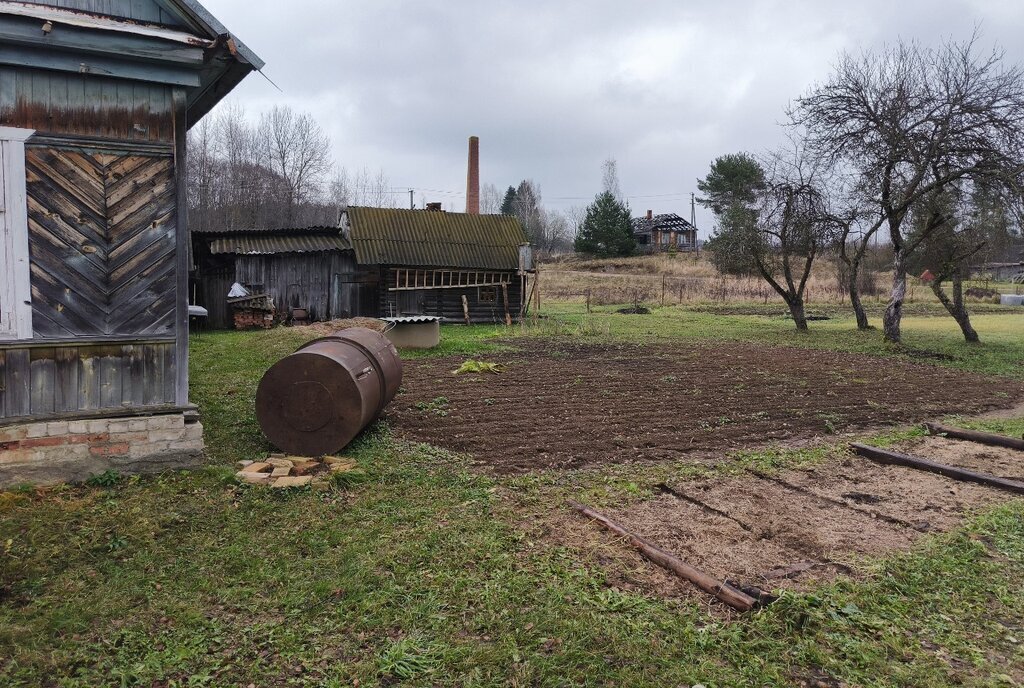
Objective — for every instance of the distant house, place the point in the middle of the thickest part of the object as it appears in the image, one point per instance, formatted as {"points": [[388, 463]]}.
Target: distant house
{"points": [[380, 262], [664, 232], [1000, 272], [312, 269], [95, 101]]}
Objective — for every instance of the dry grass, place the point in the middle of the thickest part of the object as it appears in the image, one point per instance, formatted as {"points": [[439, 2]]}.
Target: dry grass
{"points": [[679, 279]]}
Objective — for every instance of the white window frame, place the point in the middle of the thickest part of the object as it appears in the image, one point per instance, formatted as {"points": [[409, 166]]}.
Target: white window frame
{"points": [[15, 287]]}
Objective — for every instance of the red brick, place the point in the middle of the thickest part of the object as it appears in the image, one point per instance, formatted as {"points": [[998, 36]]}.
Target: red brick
{"points": [[43, 442], [9, 446], [89, 439], [109, 449]]}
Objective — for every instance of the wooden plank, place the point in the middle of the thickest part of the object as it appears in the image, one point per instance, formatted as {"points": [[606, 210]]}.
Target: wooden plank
{"points": [[896, 459], [134, 379], [88, 382], [988, 438], [42, 374], [65, 386], [18, 394], [737, 599], [153, 375], [3, 382], [181, 242]]}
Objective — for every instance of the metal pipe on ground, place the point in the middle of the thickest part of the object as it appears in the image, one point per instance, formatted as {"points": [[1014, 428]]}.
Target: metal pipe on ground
{"points": [[314, 401]]}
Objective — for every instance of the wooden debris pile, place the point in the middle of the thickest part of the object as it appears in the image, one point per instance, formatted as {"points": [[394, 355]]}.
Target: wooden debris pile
{"points": [[280, 470]]}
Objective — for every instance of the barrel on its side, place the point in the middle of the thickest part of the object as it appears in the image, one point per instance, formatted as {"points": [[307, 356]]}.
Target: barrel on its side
{"points": [[314, 401]]}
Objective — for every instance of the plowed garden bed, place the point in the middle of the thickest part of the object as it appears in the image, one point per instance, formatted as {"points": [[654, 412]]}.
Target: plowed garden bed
{"points": [[562, 404]]}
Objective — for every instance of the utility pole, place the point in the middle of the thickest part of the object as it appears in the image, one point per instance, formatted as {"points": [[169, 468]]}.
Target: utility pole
{"points": [[412, 206], [693, 221]]}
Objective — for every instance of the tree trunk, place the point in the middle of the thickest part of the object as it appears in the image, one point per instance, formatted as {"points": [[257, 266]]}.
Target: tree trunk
{"points": [[858, 307], [956, 307], [894, 311], [796, 309]]}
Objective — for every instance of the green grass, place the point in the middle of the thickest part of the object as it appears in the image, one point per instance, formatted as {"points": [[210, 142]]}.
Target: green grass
{"points": [[419, 574]]}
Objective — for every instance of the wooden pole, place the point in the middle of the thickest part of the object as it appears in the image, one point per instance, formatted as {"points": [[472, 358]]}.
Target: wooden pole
{"points": [[663, 278], [536, 295], [897, 459], [465, 308], [736, 599], [988, 438], [504, 293], [588, 300]]}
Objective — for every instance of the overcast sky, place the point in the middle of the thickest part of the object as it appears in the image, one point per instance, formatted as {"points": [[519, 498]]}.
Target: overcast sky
{"points": [[554, 88]]}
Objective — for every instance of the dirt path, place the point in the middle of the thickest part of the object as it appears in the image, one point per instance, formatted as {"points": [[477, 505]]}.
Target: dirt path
{"points": [[560, 404]]}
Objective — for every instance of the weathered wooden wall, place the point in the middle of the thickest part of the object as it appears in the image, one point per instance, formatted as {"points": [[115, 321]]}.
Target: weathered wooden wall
{"points": [[102, 241], [447, 303], [71, 378], [296, 280], [85, 105]]}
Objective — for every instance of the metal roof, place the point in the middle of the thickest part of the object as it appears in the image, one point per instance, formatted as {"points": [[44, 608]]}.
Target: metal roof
{"points": [[267, 244], [320, 229], [391, 236]]}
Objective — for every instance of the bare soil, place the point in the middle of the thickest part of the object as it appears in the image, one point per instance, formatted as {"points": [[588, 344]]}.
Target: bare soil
{"points": [[794, 530], [563, 404]]}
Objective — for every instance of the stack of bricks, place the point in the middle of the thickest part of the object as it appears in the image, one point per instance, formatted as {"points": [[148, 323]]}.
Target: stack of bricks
{"points": [[70, 450], [252, 318], [292, 471]]}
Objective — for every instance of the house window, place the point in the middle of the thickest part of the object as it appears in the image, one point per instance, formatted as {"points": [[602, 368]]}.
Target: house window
{"points": [[487, 294], [666, 237], [15, 290]]}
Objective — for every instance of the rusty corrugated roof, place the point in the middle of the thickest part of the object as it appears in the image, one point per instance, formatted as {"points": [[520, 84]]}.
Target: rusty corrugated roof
{"points": [[266, 243], [391, 236]]}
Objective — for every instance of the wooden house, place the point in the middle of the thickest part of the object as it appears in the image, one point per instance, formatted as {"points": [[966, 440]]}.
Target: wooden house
{"points": [[380, 262], [95, 100], [311, 269], [665, 232], [461, 267]]}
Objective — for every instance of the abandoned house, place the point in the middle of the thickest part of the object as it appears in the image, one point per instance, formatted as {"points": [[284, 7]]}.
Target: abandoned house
{"points": [[94, 107], [666, 232]]}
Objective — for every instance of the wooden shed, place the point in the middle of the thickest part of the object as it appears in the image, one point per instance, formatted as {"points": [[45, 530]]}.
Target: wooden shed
{"points": [[95, 101], [457, 266], [310, 268]]}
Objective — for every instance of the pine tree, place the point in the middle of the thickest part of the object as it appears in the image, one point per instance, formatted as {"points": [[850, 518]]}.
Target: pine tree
{"points": [[606, 230], [508, 205]]}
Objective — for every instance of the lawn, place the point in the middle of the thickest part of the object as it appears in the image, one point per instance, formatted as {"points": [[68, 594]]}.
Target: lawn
{"points": [[419, 571]]}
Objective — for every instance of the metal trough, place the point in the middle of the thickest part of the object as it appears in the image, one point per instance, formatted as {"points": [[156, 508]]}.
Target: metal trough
{"points": [[314, 401]]}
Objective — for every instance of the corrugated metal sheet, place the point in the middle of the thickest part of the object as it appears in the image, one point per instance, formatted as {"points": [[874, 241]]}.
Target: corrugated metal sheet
{"points": [[388, 236], [267, 244], [316, 229]]}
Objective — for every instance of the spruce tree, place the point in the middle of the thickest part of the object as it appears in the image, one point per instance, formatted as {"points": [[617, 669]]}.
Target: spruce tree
{"points": [[508, 205], [606, 231]]}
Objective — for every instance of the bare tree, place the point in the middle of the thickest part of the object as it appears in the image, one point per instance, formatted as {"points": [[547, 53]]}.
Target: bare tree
{"points": [[490, 199], [610, 179], [298, 150], [912, 121], [784, 229]]}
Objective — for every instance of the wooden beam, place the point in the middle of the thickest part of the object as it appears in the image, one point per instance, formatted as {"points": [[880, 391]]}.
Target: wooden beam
{"points": [[42, 58], [181, 240], [988, 438], [721, 590], [896, 459], [504, 293]]}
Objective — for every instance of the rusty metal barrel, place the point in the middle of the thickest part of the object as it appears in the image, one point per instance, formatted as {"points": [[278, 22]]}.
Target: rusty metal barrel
{"points": [[315, 400]]}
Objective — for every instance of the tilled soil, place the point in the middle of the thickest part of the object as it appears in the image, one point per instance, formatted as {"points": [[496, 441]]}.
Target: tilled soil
{"points": [[562, 404]]}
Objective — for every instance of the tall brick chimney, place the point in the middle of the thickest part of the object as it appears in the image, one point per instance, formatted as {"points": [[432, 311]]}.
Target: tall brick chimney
{"points": [[473, 177], [650, 214]]}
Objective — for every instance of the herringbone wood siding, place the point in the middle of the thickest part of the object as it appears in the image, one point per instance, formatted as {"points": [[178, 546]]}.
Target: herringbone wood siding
{"points": [[102, 241]]}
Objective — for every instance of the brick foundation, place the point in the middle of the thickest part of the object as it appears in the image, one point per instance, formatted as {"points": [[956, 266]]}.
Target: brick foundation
{"points": [[42, 453]]}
